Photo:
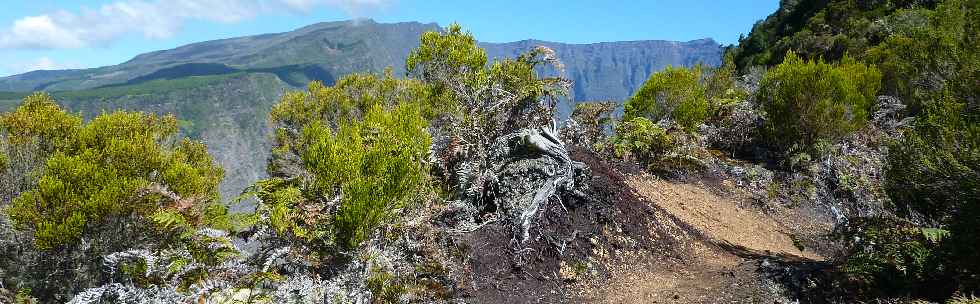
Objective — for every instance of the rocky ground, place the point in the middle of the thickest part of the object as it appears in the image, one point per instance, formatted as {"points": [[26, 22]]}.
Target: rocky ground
{"points": [[640, 238]]}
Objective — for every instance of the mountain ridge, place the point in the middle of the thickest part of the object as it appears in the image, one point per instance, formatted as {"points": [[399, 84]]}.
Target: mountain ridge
{"points": [[223, 88], [253, 52]]}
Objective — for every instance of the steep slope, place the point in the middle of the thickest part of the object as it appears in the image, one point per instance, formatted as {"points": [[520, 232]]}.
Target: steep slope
{"points": [[614, 70], [826, 29], [242, 77], [610, 70]]}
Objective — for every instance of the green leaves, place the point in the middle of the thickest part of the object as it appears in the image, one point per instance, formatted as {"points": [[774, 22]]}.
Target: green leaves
{"points": [[674, 93], [641, 139], [375, 163], [363, 142], [454, 51], [40, 119], [935, 168], [888, 257], [810, 101], [118, 165]]}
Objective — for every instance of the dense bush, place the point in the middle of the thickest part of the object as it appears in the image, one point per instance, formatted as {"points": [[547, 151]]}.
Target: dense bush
{"points": [[375, 164], [889, 257], [821, 29], [674, 93], [933, 172], [362, 142], [488, 103], [811, 101], [116, 165], [935, 52], [934, 176], [117, 182], [642, 140]]}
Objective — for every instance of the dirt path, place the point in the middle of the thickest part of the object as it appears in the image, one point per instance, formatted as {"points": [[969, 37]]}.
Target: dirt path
{"points": [[716, 266], [718, 218]]}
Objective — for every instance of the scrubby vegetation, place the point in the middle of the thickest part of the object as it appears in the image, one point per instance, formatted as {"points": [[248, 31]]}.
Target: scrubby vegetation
{"points": [[81, 191], [863, 114], [674, 93], [915, 248], [360, 171], [807, 103], [866, 109]]}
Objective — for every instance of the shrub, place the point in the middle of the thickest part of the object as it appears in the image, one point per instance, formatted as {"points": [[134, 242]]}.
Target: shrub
{"points": [[349, 99], [935, 168], [722, 88], [810, 101], [40, 120], [674, 93], [936, 52], [593, 120], [489, 102], [641, 139], [933, 174], [888, 257], [114, 167], [362, 142], [97, 188], [376, 164], [450, 56]]}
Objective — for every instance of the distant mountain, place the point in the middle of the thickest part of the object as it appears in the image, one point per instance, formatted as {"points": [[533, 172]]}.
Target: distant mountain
{"points": [[614, 70], [222, 90]]}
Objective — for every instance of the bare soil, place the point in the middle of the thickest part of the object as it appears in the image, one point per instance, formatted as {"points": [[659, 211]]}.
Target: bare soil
{"points": [[638, 238]]}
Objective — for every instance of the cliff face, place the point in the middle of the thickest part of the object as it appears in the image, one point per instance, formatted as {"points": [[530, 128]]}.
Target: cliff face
{"points": [[614, 70], [223, 89]]}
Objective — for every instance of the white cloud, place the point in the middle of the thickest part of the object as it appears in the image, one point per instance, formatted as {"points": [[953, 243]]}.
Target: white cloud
{"points": [[158, 19]]}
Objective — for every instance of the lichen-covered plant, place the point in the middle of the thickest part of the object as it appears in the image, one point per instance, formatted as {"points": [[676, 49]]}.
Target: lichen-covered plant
{"points": [[490, 102]]}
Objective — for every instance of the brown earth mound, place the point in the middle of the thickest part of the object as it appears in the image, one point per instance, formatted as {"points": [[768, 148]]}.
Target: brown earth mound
{"points": [[639, 239]]}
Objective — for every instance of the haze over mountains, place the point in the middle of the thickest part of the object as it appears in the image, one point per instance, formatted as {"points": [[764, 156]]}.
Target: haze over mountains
{"points": [[222, 90]]}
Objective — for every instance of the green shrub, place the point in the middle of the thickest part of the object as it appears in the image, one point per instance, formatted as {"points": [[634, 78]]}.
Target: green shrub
{"points": [[888, 257], [375, 163], [363, 141], [41, 121], [675, 93], [935, 169], [108, 168], [810, 101], [642, 140], [721, 88], [934, 172], [453, 51]]}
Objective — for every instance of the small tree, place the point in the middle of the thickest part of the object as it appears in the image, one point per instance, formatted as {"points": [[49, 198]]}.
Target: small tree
{"points": [[811, 101], [675, 93]]}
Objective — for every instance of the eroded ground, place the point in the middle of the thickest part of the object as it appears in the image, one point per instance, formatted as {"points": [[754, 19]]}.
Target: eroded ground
{"points": [[655, 241]]}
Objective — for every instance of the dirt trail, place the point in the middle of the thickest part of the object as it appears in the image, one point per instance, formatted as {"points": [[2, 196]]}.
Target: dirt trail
{"points": [[726, 239], [718, 218]]}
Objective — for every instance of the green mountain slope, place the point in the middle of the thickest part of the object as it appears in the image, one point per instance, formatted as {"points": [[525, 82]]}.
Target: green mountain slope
{"points": [[228, 112], [223, 89]]}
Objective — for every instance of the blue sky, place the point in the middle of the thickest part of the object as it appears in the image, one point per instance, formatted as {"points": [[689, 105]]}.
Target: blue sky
{"points": [[57, 34]]}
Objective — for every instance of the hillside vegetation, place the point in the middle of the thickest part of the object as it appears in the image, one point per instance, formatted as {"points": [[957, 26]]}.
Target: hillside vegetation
{"points": [[829, 173], [239, 78]]}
